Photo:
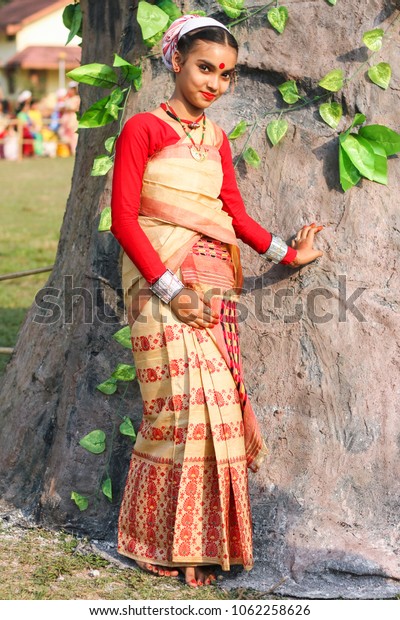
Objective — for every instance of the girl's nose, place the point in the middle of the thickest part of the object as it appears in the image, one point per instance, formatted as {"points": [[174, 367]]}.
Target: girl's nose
{"points": [[212, 82]]}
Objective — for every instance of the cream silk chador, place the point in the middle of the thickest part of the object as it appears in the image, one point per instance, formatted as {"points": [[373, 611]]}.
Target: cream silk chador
{"points": [[186, 498]]}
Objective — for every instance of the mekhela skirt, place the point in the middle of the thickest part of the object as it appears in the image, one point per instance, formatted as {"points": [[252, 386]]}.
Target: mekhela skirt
{"points": [[186, 498]]}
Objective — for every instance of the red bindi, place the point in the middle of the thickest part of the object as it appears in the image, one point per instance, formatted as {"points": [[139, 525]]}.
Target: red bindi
{"points": [[222, 65]]}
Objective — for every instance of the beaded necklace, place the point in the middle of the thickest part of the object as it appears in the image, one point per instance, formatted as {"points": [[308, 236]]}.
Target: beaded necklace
{"points": [[197, 151], [191, 124]]}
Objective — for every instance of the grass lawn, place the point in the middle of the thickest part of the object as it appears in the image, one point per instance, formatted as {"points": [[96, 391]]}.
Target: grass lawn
{"points": [[37, 564], [32, 203]]}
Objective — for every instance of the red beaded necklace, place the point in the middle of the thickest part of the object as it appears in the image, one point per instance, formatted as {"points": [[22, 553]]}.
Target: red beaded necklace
{"points": [[191, 124], [197, 151]]}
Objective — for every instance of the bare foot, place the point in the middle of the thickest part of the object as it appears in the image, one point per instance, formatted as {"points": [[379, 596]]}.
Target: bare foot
{"points": [[198, 575], [154, 569], [207, 573]]}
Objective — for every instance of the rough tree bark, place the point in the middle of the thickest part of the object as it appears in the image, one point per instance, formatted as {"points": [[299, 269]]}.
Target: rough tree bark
{"points": [[319, 345]]}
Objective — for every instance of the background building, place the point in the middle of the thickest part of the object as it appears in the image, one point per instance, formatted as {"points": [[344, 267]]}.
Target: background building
{"points": [[33, 54]]}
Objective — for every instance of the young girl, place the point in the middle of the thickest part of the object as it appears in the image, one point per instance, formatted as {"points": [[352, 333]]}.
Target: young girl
{"points": [[177, 213]]}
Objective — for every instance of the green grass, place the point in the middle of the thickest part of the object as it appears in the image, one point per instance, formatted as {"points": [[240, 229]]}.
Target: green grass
{"points": [[38, 564], [33, 198]]}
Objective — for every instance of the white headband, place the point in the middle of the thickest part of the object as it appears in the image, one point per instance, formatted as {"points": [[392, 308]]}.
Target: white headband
{"points": [[200, 22], [182, 26]]}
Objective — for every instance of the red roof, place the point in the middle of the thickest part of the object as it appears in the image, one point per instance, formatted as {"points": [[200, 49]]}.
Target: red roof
{"points": [[15, 14], [46, 57]]}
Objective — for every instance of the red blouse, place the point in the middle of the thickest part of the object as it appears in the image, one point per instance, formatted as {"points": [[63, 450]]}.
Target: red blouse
{"points": [[141, 137]]}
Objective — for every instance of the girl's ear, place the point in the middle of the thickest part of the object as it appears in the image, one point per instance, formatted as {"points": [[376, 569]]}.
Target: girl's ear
{"points": [[176, 62]]}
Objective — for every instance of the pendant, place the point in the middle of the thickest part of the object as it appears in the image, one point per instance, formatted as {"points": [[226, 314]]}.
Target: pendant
{"points": [[194, 125], [198, 153]]}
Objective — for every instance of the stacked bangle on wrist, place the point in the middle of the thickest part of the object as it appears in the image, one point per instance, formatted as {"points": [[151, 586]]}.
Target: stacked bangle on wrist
{"points": [[167, 286], [276, 251]]}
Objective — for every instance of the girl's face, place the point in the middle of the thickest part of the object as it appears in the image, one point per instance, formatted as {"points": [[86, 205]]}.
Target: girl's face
{"points": [[205, 74]]}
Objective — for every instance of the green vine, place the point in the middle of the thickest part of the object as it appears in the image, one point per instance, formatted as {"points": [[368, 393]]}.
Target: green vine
{"points": [[154, 19], [356, 158], [96, 441]]}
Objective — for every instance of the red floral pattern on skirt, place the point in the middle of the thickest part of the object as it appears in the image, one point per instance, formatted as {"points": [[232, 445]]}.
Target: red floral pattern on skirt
{"points": [[186, 498]]}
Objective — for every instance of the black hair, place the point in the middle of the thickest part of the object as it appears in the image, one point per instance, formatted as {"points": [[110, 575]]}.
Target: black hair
{"points": [[21, 106], [215, 34]]}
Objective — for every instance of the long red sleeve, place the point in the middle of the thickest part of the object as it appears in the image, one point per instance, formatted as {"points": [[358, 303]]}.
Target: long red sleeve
{"points": [[139, 139], [246, 229]]}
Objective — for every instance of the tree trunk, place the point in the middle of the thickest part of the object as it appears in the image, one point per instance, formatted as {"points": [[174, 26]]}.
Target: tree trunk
{"points": [[319, 345]]}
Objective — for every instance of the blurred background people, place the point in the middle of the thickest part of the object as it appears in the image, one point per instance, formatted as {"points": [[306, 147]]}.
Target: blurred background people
{"points": [[69, 122], [4, 120], [24, 104]]}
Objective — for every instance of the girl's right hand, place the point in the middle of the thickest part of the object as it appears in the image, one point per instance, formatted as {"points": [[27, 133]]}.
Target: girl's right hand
{"points": [[193, 309]]}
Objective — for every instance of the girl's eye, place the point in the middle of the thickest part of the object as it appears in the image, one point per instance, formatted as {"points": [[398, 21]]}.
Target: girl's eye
{"points": [[204, 67]]}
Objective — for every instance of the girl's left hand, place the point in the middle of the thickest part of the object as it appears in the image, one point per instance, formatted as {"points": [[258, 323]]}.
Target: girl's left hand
{"points": [[303, 243]]}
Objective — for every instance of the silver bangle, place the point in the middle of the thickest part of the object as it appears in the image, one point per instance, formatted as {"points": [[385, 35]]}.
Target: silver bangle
{"points": [[276, 251], [167, 286]]}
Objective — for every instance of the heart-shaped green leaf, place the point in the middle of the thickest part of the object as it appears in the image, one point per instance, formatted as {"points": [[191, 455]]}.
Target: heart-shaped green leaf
{"points": [[333, 2], [276, 130], [130, 72], [108, 387], [289, 91], [97, 115], [359, 119], [170, 9], [124, 372], [94, 442], [380, 163], [73, 17], [81, 501], [331, 113], [278, 17], [361, 154], [68, 15], [113, 105], [123, 336], [106, 487], [389, 139], [349, 175], [116, 96], [101, 165], [380, 74], [373, 39], [332, 81], [151, 19], [109, 144], [126, 428], [238, 131], [251, 157], [233, 8], [105, 220], [154, 40], [94, 74]]}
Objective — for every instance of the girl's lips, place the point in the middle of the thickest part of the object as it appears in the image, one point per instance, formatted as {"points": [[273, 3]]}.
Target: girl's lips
{"points": [[208, 96]]}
